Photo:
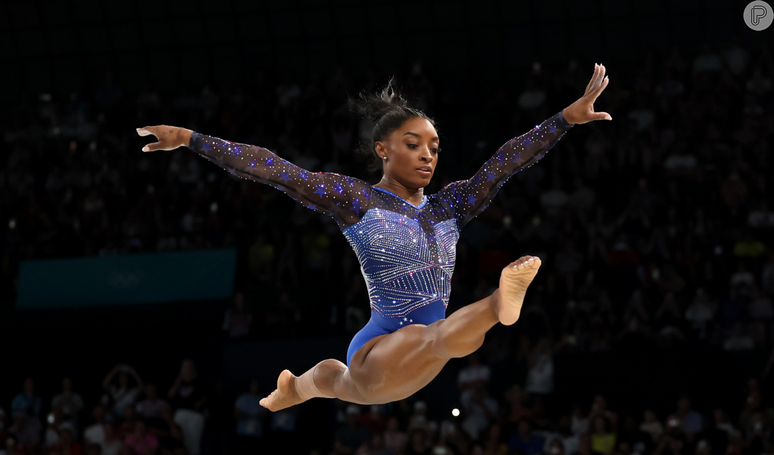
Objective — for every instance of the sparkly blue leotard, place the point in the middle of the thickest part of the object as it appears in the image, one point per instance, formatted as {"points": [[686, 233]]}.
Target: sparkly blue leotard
{"points": [[406, 252]]}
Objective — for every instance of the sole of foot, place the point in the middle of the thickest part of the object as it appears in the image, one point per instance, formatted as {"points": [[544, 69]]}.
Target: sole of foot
{"points": [[514, 280], [284, 396]]}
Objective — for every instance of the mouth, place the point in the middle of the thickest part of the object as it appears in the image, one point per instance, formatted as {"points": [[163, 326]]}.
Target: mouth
{"points": [[425, 170]]}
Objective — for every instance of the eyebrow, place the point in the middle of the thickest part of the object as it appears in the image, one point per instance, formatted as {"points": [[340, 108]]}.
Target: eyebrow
{"points": [[419, 136]]}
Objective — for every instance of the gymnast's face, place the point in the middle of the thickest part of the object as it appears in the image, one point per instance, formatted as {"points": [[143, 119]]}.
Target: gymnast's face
{"points": [[412, 153]]}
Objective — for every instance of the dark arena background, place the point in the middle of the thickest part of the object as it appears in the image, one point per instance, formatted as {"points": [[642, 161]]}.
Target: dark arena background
{"points": [[648, 329]]}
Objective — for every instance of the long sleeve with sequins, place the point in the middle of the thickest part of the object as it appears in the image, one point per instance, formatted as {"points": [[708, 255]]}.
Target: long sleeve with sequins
{"points": [[343, 198], [470, 197]]}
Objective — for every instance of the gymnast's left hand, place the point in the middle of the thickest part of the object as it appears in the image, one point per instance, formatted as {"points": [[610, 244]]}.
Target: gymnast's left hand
{"points": [[169, 137], [582, 111]]}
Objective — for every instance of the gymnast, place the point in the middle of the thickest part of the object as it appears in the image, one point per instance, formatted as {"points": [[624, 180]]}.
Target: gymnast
{"points": [[404, 239]]}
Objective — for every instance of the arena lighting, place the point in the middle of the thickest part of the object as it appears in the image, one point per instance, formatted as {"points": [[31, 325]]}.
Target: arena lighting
{"points": [[455, 412]]}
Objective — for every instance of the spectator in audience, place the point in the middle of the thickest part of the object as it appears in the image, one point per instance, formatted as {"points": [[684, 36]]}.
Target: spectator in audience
{"points": [[474, 372], [651, 425], [419, 419], [238, 319], [128, 423], [555, 447], [603, 440], [479, 410], [700, 313], [570, 441], [27, 401], [25, 431], [54, 424], [691, 422], [150, 408], [188, 398], [141, 442], [67, 445], [585, 447], [599, 408], [394, 439], [95, 433], [250, 416], [540, 375], [111, 443], [169, 434], [580, 423], [70, 403], [517, 410], [120, 396]]}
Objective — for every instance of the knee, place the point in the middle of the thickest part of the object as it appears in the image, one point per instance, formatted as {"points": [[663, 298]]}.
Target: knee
{"points": [[446, 347]]}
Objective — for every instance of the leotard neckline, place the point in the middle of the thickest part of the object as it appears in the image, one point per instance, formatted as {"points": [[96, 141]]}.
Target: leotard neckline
{"points": [[424, 198]]}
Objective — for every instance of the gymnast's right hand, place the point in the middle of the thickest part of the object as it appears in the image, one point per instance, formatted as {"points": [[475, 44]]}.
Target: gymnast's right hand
{"points": [[170, 137]]}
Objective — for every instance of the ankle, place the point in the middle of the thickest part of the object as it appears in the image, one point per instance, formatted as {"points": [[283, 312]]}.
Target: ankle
{"points": [[494, 303]]}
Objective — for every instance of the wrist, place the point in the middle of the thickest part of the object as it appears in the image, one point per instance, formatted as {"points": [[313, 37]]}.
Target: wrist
{"points": [[567, 118], [184, 137]]}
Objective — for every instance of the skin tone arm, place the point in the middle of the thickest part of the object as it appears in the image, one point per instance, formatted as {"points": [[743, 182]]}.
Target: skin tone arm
{"points": [[109, 377]]}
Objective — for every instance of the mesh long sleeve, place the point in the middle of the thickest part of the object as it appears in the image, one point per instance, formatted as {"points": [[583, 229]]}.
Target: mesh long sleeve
{"points": [[470, 197], [344, 198]]}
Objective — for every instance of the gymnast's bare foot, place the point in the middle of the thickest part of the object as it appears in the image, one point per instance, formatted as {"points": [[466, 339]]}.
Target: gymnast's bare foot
{"points": [[514, 281], [284, 396]]}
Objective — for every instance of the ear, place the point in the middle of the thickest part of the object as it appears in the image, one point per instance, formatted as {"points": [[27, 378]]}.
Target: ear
{"points": [[381, 149]]}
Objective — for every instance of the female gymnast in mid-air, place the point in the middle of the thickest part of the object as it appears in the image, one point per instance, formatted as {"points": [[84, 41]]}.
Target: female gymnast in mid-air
{"points": [[405, 242]]}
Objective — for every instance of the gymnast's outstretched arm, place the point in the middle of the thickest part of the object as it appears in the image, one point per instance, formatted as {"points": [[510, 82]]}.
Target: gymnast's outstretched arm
{"points": [[344, 198], [470, 197]]}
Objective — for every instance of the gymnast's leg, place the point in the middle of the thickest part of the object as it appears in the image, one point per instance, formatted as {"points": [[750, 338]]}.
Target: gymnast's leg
{"points": [[394, 366]]}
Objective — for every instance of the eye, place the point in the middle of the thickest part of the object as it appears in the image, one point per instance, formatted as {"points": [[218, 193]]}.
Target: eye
{"points": [[412, 146], [436, 151]]}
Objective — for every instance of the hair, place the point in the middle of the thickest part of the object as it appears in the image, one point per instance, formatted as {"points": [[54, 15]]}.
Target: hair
{"points": [[387, 110]]}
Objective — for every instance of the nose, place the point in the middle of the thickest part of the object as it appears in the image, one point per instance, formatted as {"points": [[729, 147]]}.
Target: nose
{"points": [[426, 157]]}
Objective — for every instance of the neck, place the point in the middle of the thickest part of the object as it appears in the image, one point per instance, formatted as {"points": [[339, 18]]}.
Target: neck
{"points": [[413, 195]]}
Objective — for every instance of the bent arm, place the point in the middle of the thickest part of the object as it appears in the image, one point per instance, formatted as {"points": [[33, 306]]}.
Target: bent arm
{"points": [[344, 198], [470, 197]]}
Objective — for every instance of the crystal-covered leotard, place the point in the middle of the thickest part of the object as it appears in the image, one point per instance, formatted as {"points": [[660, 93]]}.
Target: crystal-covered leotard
{"points": [[406, 252]]}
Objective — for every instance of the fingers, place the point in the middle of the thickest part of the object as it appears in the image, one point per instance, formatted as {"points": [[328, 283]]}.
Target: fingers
{"points": [[593, 77], [602, 116], [601, 87], [597, 78], [152, 147], [147, 131]]}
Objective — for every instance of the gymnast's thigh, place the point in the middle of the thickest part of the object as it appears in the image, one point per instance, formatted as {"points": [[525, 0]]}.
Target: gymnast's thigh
{"points": [[395, 366]]}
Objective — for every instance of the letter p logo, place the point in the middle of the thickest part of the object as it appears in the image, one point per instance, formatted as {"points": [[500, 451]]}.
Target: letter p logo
{"points": [[757, 15]]}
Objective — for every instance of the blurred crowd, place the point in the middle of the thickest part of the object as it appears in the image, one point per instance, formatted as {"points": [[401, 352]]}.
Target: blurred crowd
{"points": [[655, 227], [131, 417]]}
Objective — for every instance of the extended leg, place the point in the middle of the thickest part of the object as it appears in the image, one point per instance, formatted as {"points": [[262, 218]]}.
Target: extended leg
{"points": [[462, 333]]}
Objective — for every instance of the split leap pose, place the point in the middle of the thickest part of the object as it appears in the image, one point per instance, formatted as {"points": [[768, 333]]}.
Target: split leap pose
{"points": [[405, 242]]}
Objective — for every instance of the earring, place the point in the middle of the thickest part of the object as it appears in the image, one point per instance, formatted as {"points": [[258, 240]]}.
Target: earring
{"points": [[384, 158]]}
